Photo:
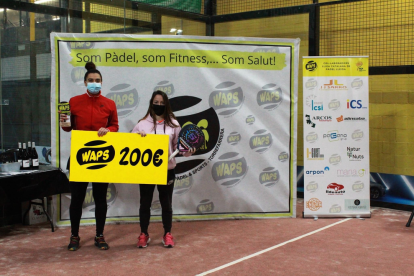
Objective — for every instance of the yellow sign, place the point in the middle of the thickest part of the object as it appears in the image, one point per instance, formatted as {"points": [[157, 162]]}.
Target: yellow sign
{"points": [[335, 66], [119, 158]]}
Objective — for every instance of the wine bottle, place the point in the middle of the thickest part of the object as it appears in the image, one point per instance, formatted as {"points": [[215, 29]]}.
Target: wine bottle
{"points": [[29, 153], [25, 158], [35, 157], [20, 155]]}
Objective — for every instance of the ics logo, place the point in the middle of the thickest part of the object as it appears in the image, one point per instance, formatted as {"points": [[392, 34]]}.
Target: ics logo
{"points": [[205, 206], [182, 185], [250, 120], [311, 65], [77, 75], [314, 204], [233, 138], [91, 154], [125, 98], [335, 159], [358, 186], [261, 141], [357, 135], [312, 187], [89, 202], [230, 169], [283, 156], [270, 96], [269, 177], [80, 45], [334, 104], [156, 206], [166, 87], [312, 137], [227, 99], [335, 209], [357, 84], [311, 84]]}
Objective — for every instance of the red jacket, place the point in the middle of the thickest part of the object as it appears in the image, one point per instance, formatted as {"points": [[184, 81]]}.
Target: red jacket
{"points": [[89, 112]]}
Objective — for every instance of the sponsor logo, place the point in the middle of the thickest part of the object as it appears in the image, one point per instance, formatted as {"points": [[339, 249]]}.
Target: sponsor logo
{"points": [[356, 204], [309, 122], [233, 138], [95, 154], [350, 119], [312, 137], [270, 97], [77, 75], [354, 104], [333, 85], [80, 45], [309, 99], [314, 204], [250, 119], [312, 187], [261, 141], [360, 66], [335, 209], [165, 86], [230, 169], [314, 154], [335, 189], [227, 99], [322, 118], [267, 50], [350, 152], [89, 202], [269, 177], [311, 65], [357, 135], [334, 104], [351, 173], [317, 173], [358, 186], [182, 185], [125, 98], [205, 206], [334, 136], [335, 159], [156, 206], [311, 84], [357, 83], [283, 156]]}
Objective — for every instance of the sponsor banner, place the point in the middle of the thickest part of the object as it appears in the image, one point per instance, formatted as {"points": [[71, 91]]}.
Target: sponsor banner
{"points": [[242, 93], [118, 157], [336, 136]]}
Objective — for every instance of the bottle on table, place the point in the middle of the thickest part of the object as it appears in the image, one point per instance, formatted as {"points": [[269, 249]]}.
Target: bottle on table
{"points": [[35, 157], [20, 155], [25, 158], [29, 152]]}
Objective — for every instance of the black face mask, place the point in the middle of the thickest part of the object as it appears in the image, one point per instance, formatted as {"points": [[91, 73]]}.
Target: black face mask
{"points": [[158, 109]]}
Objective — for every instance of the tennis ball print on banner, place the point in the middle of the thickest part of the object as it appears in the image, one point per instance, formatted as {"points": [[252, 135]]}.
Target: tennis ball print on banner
{"points": [[227, 99], [125, 97]]}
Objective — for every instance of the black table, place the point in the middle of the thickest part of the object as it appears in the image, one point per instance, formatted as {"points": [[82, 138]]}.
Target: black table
{"points": [[27, 186]]}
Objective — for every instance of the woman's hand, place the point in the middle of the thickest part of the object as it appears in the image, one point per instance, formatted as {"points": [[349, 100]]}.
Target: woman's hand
{"points": [[63, 117], [192, 150], [102, 131], [142, 133]]}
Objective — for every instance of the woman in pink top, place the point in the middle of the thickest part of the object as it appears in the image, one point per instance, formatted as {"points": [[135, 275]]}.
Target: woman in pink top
{"points": [[159, 120]]}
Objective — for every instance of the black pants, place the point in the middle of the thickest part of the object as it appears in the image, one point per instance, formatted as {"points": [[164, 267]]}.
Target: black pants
{"points": [[165, 195], [78, 192]]}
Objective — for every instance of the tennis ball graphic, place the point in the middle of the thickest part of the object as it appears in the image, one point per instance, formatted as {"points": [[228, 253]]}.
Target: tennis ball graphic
{"points": [[80, 45], [77, 76], [269, 177], [312, 187], [270, 96], [125, 97], [227, 98], [261, 141], [182, 186], [270, 49], [230, 169], [156, 206], [205, 206], [250, 120], [358, 186], [234, 138], [89, 202], [283, 157], [311, 84], [165, 86]]}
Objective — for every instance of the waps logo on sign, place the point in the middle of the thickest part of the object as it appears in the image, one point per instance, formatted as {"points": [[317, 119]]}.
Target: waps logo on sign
{"points": [[311, 84], [312, 187], [233, 138], [250, 120], [230, 169], [182, 185], [283, 156], [205, 206], [261, 141], [125, 98], [80, 45], [335, 159], [89, 202], [227, 99], [311, 65], [270, 96], [95, 155], [166, 87], [334, 104], [77, 75], [357, 83], [357, 135], [312, 137], [269, 177], [358, 186]]}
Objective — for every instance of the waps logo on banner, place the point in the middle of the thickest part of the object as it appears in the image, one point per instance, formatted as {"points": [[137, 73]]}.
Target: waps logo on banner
{"points": [[234, 138], [165, 86], [312, 187], [283, 156], [230, 170], [250, 120], [269, 177], [357, 84], [89, 202], [125, 98], [92, 154], [312, 137], [311, 84], [228, 99], [270, 97], [261, 141], [205, 206], [334, 104], [183, 185]]}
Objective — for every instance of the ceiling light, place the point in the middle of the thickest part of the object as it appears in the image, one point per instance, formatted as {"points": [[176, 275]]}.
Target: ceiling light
{"points": [[173, 30]]}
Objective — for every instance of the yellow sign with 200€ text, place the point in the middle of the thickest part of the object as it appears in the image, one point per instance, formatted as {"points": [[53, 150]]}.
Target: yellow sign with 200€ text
{"points": [[119, 158]]}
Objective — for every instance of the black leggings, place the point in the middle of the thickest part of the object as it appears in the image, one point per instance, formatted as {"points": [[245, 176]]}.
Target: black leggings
{"points": [[165, 195], [78, 192]]}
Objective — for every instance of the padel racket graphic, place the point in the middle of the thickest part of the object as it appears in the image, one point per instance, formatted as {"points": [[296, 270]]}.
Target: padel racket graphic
{"points": [[190, 136]]}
